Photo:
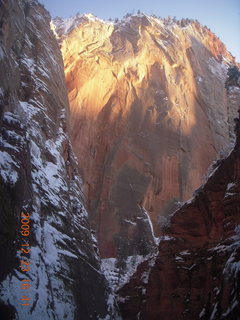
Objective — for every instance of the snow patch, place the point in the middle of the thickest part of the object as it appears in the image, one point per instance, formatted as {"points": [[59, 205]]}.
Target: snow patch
{"points": [[8, 167], [199, 79], [115, 277], [230, 186], [29, 64], [62, 27], [218, 69], [130, 222], [145, 275], [156, 240]]}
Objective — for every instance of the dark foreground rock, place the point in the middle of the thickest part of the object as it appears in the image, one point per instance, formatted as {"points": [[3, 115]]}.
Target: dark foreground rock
{"points": [[196, 273], [39, 176]]}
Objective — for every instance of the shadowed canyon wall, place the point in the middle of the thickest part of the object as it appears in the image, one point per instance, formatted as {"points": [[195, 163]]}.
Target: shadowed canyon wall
{"points": [[148, 115], [39, 176], [196, 273]]}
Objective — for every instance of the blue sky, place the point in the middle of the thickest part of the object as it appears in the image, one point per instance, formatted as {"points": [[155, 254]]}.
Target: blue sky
{"points": [[221, 16]]}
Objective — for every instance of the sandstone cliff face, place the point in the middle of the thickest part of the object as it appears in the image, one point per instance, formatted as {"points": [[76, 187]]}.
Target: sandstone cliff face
{"points": [[39, 175], [148, 115], [196, 273]]}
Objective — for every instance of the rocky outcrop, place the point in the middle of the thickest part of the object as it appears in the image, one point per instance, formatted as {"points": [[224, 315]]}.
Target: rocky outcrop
{"points": [[39, 176], [196, 273], [148, 115]]}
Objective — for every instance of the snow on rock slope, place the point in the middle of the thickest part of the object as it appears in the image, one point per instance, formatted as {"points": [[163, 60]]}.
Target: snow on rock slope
{"points": [[39, 175], [149, 113], [118, 275], [196, 274]]}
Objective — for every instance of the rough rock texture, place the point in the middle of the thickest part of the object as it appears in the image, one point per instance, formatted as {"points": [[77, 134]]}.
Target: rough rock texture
{"points": [[196, 274], [148, 115], [39, 175]]}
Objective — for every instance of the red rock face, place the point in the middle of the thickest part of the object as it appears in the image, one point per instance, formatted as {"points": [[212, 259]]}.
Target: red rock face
{"points": [[196, 273], [148, 115]]}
